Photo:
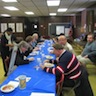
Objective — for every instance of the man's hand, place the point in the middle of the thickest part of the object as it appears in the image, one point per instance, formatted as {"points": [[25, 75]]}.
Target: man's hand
{"points": [[10, 45], [36, 49], [46, 61], [31, 59], [42, 66]]}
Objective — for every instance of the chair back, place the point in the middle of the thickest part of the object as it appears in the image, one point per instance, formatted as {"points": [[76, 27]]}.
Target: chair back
{"points": [[59, 85], [12, 60]]}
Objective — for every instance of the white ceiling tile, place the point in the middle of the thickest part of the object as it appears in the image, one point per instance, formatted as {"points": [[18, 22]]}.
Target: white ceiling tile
{"points": [[40, 8]]}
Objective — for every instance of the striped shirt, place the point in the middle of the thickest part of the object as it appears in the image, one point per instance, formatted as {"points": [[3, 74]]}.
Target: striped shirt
{"points": [[67, 65]]}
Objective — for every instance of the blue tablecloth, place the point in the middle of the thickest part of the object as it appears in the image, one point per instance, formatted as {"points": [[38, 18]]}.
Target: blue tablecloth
{"points": [[40, 81]]}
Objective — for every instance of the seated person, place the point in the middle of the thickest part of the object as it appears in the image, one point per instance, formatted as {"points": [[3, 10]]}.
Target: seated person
{"points": [[22, 48], [63, 40], [55, 40], [37, 39], [69, 68], [89, 53], [29, 39]]}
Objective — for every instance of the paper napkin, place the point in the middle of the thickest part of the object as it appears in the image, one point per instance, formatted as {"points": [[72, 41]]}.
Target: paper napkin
{"points": [[42, 94], [14, 83], [27, 78]]}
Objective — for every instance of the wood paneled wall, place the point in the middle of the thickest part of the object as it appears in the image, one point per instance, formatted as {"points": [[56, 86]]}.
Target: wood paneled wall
{"points": [[23, 20], [44, 21]]}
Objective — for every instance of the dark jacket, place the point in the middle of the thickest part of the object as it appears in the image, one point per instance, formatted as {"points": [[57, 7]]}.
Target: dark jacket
{"points": [[5, 49], [20, 59]]}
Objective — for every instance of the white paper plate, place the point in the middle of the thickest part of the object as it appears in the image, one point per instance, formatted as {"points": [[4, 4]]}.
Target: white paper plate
{"points": [[49, 57], [48, 65], [7, 88], [50, 48], [33, 54], [31, 58]]}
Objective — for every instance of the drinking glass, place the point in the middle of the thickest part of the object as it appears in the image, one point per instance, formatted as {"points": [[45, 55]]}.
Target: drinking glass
{"points": [[22, 82], [39, 61]]}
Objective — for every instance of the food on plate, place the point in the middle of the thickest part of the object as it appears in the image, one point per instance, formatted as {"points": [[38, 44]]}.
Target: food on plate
{"points": [[48, 65], [49, 57], [7, 88]]}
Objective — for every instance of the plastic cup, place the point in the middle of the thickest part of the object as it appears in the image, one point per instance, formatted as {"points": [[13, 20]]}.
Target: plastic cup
{"points": [[22, 82]]}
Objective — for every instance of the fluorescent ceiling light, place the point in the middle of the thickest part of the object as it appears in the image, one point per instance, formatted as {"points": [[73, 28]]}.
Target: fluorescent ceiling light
{"points": [[9, 0], [69, 14], [12, 8], [62, 9], [29, 13], [52, 14], [53, 2], [80, 9], [5, 15], [91, 0]]}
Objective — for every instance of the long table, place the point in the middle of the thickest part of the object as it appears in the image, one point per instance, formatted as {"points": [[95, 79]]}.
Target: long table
{"points": [[40, 81]]}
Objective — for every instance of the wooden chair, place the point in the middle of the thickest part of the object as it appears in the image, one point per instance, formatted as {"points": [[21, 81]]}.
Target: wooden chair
{"points": [[59, 85]]}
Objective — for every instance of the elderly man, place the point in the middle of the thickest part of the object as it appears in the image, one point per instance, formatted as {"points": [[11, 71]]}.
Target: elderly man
{"points": [[69, 68], [63, 40], [89, 53], [21, 53]]}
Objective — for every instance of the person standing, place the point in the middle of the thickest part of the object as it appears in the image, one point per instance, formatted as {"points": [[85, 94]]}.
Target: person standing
{"points": [[7, 43]]}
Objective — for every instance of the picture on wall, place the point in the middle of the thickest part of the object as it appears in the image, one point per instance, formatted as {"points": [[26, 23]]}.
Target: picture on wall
{"points": [[12, 25], [56, 29], [67, 32], [3, 27], [59, 30], [19, 27]]}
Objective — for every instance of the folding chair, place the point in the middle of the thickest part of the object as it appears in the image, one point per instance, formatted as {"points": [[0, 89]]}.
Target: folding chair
{"points": [[12, 60], [69, 91]]}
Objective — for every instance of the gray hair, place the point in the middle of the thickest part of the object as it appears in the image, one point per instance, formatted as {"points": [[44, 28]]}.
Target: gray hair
{"points": [[35, 34], [58, 46], [23, 44]]}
